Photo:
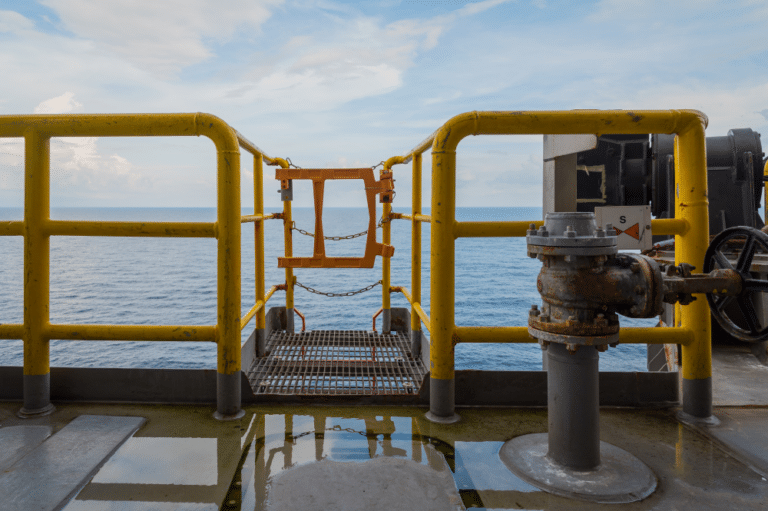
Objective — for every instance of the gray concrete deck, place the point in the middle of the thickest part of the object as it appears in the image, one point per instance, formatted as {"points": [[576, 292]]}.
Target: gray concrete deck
{"points": [[184, 459], [45, 472], [738, 378]]}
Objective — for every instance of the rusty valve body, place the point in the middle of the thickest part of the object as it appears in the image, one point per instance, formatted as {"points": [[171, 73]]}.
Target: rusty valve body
{"points": [[585, 283]]}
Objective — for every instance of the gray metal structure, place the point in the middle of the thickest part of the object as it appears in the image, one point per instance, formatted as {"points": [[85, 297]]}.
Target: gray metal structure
{"points": [[584, 285]]}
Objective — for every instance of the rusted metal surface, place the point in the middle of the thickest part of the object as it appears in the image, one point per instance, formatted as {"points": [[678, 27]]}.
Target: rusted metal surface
{"points": [[378, 312], [303, 319], [383, 187], [331, 362]]}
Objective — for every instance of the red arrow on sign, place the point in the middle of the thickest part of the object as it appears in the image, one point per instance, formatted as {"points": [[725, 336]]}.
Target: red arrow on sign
{"points": [[633, 231]]}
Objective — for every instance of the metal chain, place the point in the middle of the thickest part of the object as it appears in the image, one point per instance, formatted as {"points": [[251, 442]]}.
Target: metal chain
{"points": [[292, 164], [334, 295], [337, 238]]}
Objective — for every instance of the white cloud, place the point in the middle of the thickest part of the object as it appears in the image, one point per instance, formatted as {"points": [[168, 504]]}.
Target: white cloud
{"points": [[13, 22], [161, 36], [63, 104], [349, 59]]}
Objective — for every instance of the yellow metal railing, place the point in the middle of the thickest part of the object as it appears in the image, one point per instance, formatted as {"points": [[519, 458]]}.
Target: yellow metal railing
{"points": [[37, 228], [690, 226]]}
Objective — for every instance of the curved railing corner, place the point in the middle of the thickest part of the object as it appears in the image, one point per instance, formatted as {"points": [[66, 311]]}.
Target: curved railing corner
{"points": [[690, 226], [37, 227]]}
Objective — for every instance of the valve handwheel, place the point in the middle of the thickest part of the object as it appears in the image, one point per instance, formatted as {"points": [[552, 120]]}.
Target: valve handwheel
{"points": [[737, 314]]}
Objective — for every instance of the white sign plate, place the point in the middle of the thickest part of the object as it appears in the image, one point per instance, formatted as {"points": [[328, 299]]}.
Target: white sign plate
{"points": [[632, 223]]}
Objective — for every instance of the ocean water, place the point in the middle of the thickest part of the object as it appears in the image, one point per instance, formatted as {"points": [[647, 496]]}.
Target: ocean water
{"points": [[155, 281]]}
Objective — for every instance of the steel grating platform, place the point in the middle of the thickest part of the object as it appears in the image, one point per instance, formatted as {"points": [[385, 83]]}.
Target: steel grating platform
{"points": [[337, 362]]}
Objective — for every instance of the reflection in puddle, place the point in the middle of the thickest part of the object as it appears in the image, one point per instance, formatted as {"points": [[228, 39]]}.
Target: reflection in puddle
{"points": [[147, 460], [291, 442], [234, 466]]}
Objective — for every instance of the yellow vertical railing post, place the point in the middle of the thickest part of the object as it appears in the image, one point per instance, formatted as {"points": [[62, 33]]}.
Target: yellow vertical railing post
{"points": [[416, 254], [288, 233], [691, 204], [258, 250], [228, 383], [442, 259], [765, 189], [37, 255], [386, 277]]}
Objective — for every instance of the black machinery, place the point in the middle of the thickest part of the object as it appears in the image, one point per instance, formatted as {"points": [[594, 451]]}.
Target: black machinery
{"points": [[631, 170], [635, 170]]}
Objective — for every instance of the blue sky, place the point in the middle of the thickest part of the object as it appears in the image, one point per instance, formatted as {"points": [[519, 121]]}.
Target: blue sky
{"points": [[352, 83]]}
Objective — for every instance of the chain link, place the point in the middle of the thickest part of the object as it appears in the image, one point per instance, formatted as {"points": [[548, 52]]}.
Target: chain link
{"points": [[337, 238], [292, 164], [334, 295]]}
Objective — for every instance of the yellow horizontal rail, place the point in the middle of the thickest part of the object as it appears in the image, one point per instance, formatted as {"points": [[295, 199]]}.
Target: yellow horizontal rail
{"points": [[259, 218], [130, 229], [251, 147], [669, 226], [199, 333], [256, 308], [493, 229], [11, 331], [416, 306], [403, 216], [15, 228], [519, 334]]}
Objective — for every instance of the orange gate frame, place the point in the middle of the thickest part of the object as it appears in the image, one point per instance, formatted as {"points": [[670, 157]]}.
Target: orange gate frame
{"points": [[385, 187]]}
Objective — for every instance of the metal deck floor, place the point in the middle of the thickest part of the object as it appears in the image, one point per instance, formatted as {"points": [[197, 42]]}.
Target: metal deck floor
{"points": [[337, 362]]}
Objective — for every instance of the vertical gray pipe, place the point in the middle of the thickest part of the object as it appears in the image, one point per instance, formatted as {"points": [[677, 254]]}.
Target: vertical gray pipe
{"points": [[386, 321], [289, 321], [228, 397], [573, 402], [415, 343]]}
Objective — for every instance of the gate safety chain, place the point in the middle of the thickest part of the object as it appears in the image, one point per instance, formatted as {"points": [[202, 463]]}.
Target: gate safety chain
{"points": [[336, 238], [333, 295]]}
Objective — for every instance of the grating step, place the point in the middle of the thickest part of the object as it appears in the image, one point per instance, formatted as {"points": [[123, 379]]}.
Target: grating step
{"points": [[337, 362]]}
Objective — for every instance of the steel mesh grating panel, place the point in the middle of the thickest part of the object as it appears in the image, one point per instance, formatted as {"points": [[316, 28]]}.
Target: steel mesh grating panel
{"points": [[337, 362]]}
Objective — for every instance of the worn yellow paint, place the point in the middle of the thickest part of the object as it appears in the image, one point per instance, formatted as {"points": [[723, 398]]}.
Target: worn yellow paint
{"points": [[416, 239], [519, 334], [416, 307], [639, 335], [691, 166], [130, 229], [191, 333], [259, 218], [37, 252], [765, 188], [38, 227], [258, 308], [493, 229], [11, 331], [288, 235], [258, 239], [691, 204], [386, 239], [13, 228], [669, 226], [404, 216]]}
